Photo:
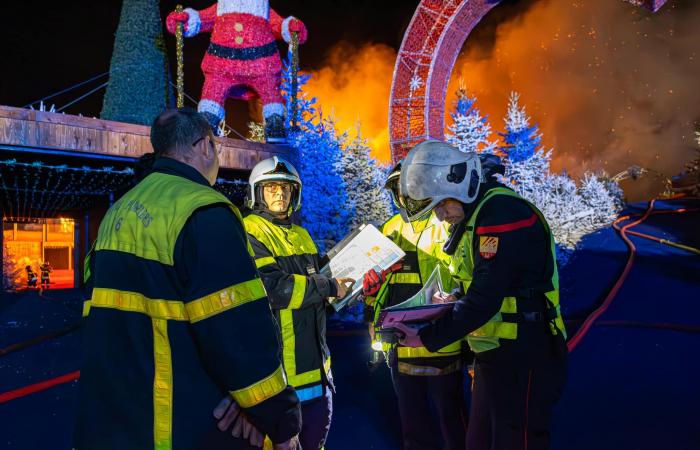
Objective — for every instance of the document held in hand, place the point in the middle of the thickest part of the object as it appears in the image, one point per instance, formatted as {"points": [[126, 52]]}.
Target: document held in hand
{"points": [[364, 249], [420, 308]]}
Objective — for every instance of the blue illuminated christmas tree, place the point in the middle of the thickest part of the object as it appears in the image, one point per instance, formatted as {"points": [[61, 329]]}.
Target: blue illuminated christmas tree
{"points": [[520, 141], [318, 158]]}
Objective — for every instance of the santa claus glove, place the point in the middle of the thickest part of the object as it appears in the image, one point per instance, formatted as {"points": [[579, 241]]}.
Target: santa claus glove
{"points": [[174, 18], [295, 25]]}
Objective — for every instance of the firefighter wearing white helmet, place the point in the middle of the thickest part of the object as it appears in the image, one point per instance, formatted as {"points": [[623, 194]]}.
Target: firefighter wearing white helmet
{"points": [[502, 253], [289, 265]]}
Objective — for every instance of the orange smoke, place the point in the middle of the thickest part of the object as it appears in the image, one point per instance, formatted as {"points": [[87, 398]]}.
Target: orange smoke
{"points": [[609, 84], [354, 87]]}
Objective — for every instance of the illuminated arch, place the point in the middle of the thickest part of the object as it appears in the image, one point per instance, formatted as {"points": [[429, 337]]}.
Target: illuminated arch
{"points": [[424, 64]]}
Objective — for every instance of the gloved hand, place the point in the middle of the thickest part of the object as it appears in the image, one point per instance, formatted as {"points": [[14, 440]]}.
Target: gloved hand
{"points": [[174, 18], [297, 26], [410, 336], [373, 280], [228, 412]]}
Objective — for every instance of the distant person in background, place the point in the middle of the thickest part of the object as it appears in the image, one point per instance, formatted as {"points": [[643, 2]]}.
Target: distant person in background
{"points": [[31, 277], [45, 269]]}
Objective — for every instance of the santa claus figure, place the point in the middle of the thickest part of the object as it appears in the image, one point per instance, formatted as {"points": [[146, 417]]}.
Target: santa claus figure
{"points": [[242, 60]]}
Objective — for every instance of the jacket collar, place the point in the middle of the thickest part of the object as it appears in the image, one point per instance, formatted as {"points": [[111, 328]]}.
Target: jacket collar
{"points": [[180, 169], [286, 222]]}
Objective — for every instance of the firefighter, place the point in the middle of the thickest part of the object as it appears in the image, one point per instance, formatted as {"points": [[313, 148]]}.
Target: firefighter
{"points": [[419, 375], [289, 265], [166, 337], [45, 270], [503, 254], [31, 276]]}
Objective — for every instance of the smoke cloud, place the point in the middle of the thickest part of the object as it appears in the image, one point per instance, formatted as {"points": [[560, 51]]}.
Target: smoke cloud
{"points": [[609, 84]]}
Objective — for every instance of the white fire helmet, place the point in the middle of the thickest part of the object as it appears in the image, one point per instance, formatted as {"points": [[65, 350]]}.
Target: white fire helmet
{"points": [[434, 171], [269, 170]]}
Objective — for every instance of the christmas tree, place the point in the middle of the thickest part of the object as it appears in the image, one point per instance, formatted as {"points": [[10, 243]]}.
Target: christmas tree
{"points": [[469, 132], [364, 180], [138, 88], [318, 158], [520, 140], [571, 210]]}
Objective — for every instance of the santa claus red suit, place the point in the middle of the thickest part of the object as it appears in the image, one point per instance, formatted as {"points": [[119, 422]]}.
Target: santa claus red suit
{"points": [[242, 60]]}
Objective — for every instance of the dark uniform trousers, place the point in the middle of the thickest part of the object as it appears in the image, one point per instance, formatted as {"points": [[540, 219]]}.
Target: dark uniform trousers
{"points": [[419, 430], [316, 421]]}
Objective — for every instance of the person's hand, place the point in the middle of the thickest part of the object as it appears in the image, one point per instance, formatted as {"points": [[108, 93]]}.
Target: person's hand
{"points": [[441, 297], [175, 18], [370, 329], [228, 412], [372, 280], [410, 335], [292, 444], [298, 27], [344, 285]]}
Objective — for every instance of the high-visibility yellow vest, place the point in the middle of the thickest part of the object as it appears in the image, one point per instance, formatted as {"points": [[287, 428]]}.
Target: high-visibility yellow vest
{"points": [[422, 241], [462, 267]]}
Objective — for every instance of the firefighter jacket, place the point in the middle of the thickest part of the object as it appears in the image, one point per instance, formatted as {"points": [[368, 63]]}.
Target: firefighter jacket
{"points": [[166, 338], [506, 263], [422, 242], [289, 265]]}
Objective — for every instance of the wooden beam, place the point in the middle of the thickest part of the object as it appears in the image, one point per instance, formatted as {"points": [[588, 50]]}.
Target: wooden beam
{"points": [[45, 130]]}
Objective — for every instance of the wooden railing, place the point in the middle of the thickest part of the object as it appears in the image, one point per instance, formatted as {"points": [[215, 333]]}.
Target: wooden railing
{"points": [[28, 129]]}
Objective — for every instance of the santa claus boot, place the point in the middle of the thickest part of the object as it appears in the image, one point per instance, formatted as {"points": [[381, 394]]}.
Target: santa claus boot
{"points": [[213, 112]]}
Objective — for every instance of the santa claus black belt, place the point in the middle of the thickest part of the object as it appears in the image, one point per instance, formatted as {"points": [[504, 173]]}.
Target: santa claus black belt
{"points": [[246, 53]]}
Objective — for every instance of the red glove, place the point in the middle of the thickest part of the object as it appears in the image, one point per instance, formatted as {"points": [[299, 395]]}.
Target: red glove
{"points": [[174, 18], [373, 280], [297, 26]]}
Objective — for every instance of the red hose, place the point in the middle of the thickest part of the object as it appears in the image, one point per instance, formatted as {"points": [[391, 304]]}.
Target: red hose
{"points": [[38, 387], [581, 332]]}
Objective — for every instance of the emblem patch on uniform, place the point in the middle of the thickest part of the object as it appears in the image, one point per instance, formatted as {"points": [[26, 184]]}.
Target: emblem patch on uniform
{"points": [[488, 246]]}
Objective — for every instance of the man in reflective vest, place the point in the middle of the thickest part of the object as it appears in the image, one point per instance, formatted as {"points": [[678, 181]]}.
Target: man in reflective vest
{"points": [[289, 265], [503, 254], [166, 338], [420, 377]]}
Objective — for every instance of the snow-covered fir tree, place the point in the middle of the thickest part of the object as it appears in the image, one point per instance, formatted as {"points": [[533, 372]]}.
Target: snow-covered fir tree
{"points": [[470, 131], [520, 140], [364, 181], [317, 157], [571, 210]]}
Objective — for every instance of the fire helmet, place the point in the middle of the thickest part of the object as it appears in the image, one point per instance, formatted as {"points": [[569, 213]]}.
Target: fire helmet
{"points": [[269, 170], [434, 171]]}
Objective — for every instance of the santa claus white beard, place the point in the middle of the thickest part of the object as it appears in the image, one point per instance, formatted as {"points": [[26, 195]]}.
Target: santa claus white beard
{"points": [[259, 8]]}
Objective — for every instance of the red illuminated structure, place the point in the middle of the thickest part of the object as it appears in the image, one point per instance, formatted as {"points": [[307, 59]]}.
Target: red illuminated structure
{"points": [[428, 52]]}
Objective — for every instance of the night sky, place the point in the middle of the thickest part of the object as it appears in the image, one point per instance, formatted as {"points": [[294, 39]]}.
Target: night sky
{"points": [[51, 45]]}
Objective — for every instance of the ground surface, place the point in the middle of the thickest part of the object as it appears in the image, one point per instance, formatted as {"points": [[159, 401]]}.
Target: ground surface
{"points": [[633, 380]]}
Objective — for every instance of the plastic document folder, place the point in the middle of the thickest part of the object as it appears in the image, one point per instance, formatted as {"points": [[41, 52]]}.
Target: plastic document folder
{"points": [[418, 309], [364, 249]]}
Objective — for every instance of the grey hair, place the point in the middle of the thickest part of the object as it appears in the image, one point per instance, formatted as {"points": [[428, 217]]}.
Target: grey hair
{"points": [[175, 130]]}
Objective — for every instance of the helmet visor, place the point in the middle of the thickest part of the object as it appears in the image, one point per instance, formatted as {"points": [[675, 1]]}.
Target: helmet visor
{"points": [[415, 209]]}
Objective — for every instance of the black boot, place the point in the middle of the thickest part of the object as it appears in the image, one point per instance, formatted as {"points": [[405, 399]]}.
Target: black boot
{"points": [[274, 129]]}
